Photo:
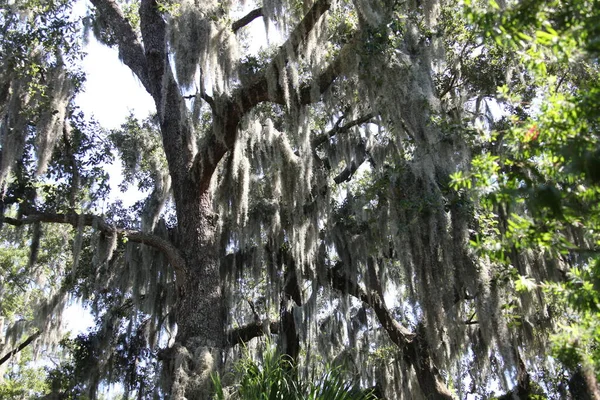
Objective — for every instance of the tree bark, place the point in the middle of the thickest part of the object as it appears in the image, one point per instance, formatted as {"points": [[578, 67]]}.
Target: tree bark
{"points": [[200, 305], [583, 385]]}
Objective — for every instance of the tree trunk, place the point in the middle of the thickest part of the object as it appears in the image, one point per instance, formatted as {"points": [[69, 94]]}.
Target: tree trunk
{"points": [[197, 351]]}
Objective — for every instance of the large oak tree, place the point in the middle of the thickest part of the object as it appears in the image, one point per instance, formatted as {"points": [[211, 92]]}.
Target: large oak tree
{"points": [[302, 193]]}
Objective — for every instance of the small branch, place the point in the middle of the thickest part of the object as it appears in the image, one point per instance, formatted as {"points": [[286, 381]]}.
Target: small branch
{"points": [[207, 98], [354, 165], [337, 129], [471, 321], [75, 179], [349, 171], [75, 220], [254, 313], [361, 152], [26, 343], [449, 87], [248, 332], [251, 16]]}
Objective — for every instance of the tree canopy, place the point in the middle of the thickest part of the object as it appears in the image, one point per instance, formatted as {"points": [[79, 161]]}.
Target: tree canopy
{"points": [[390, 199]]}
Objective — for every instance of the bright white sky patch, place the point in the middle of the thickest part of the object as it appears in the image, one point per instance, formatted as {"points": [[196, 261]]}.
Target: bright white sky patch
{"points": [[78, 319], [111, 91]]}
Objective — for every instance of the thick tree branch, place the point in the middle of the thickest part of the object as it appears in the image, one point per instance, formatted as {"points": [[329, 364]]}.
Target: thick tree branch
{"points": [[150, 64], [401, 336], [76, 220], [228, 112], [246, 333], [245, 20], [177, 133], [154, 29], [130, 48], [310, 92], [26, 343], [248, 97], [322, 82]]}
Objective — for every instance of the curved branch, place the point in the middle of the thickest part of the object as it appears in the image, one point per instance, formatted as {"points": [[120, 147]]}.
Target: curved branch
{"points": [[245, 20], [351, 168], [75, 220], [258, 92], [401, 336], [361, 151], [233, 108], [130, 48], [310, 92], [322, 82]]}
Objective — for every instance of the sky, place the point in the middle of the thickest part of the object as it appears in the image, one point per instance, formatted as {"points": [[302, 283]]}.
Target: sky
{"points": [[111, 90]]}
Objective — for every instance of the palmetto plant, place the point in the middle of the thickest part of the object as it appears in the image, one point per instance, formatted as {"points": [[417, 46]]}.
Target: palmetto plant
{"points": [[275, 378]]}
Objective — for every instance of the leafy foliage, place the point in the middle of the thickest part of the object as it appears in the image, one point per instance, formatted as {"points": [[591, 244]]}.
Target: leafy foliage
{"points": [[537, 181], [275, 377]]}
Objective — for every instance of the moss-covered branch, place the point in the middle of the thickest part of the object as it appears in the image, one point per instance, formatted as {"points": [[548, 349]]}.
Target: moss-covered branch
{"points": [[340, 129], [76, 220], [25, 343], [228, 112], [248, 332]]}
